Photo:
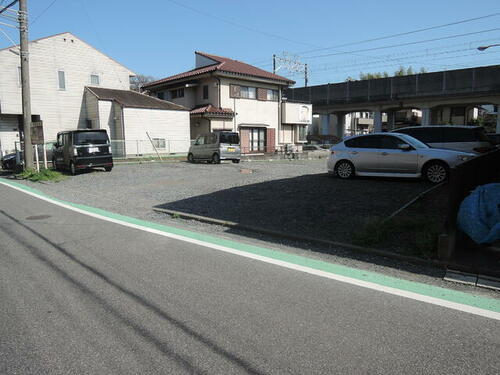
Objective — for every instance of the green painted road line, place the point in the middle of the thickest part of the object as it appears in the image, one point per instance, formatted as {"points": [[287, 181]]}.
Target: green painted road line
{"points": [[444, 294]]}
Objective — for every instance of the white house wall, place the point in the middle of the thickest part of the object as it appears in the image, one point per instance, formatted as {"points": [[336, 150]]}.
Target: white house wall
{"points": [[91, 109], [173, 126], [107, 118], [9, 134], [58, 109]]}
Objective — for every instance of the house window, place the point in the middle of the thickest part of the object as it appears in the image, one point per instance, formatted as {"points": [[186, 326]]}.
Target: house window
{"points": [[257, 139], [94, 79], [272, 95], [177, 93], [61, 79], [301, 134], [161, 95], [248, 92], [205, 92], [159, 143]]}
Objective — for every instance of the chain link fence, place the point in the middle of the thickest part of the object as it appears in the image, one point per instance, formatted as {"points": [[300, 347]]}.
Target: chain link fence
{"points": [[146, 148]]}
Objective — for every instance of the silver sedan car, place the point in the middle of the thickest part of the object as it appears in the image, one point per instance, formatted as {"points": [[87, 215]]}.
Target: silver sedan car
{"points": [[392, 155]]}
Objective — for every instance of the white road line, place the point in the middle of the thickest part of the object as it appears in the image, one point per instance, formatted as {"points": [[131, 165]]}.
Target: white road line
{"points": [[353, 281]]}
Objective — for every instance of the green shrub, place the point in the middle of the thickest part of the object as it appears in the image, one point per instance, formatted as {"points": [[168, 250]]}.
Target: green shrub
{"points": [[417, 235], [43, 175]]}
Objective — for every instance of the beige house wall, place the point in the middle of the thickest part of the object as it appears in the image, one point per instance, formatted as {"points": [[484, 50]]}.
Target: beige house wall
{"points": [[250, 112]]}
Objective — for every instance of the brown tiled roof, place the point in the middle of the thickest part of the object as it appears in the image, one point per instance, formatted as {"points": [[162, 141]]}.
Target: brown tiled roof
{"points": [[224, 64], [133, 99], [210, 109]]}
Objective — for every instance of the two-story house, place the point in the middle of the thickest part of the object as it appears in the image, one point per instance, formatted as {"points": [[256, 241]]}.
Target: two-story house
{"points": [[75, 86], [226, 94]]}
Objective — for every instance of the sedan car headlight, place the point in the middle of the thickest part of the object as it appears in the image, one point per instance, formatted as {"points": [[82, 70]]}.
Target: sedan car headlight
{"points": [[464, 157]]}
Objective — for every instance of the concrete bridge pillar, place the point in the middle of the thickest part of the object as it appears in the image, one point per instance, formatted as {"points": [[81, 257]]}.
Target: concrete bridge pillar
{"points": [[339, 124], [377, 121], [391, 120], [498, 119], [324, 124], [426, 116]]}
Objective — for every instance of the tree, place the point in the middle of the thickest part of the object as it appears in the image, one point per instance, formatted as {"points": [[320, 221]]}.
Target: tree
{"points": [[402, 71], [140, 80]]}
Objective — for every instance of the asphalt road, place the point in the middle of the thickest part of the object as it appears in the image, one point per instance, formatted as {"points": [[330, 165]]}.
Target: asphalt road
{"points": [[79, 295]]}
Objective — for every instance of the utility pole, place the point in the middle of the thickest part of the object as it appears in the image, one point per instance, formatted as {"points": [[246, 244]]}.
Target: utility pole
{"points": [[305, 75], [274, 64], [25, 83]]}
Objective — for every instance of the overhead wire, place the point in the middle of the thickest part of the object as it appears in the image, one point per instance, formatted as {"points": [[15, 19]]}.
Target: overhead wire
{"points": [[392, 35], [43, 12], [316, 73], [242, 26], [408, 43], [400, 56], [404, 33]]}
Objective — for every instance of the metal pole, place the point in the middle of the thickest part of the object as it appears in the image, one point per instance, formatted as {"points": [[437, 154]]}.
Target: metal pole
{"points": [[274, 64], [44, 156], [152, 144], [25, 83], [36, 157]]}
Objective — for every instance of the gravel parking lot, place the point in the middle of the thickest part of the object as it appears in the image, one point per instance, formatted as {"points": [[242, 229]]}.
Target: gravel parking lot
{"points": [[289, 196]]}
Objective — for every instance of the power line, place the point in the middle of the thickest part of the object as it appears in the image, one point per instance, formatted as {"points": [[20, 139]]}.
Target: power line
{"points": [[405, 56], [43, 11], [425, 61], [403, 34], [391, 36], [8, 37], [8, 6], [406, 44], [248, 28]]}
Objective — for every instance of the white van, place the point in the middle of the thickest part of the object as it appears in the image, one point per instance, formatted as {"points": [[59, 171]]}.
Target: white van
{"points": [[453, 137]]}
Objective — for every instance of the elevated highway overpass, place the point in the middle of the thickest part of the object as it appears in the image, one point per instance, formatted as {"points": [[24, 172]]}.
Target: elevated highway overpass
{"points": [[432, 93]]}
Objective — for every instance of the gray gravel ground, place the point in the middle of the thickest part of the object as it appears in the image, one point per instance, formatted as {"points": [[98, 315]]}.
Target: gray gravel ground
{"points": [[134, 189], [291, 196]]}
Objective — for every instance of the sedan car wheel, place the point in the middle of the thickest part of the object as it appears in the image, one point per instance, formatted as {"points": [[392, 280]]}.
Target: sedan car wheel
{"points": [[436, 173], [345, 169]]}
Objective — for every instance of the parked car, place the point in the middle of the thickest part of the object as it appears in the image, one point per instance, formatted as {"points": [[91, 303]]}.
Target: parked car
{"points": [[311, 148], [494, 138], [453, 137], [216, 146], [12, 161], [317, 150], [82, 149], [392, 155]]}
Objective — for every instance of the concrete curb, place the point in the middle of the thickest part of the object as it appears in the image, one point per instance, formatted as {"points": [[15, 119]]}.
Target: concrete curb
{"points": [[360, 249], [293, 237]]}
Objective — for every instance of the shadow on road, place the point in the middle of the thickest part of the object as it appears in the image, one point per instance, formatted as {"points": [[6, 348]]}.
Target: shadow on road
{"points": [[315, 206], [151, 337]]}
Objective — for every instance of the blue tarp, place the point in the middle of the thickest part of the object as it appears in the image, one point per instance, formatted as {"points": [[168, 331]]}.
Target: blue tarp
{"points": [[479, 214]]}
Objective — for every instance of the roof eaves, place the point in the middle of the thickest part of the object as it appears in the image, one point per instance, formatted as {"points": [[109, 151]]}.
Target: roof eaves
{"points": [[282, 79], [184, 75]]}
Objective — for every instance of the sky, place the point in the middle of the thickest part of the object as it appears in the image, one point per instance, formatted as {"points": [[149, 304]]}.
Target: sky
{"points": [[334, 38]]}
